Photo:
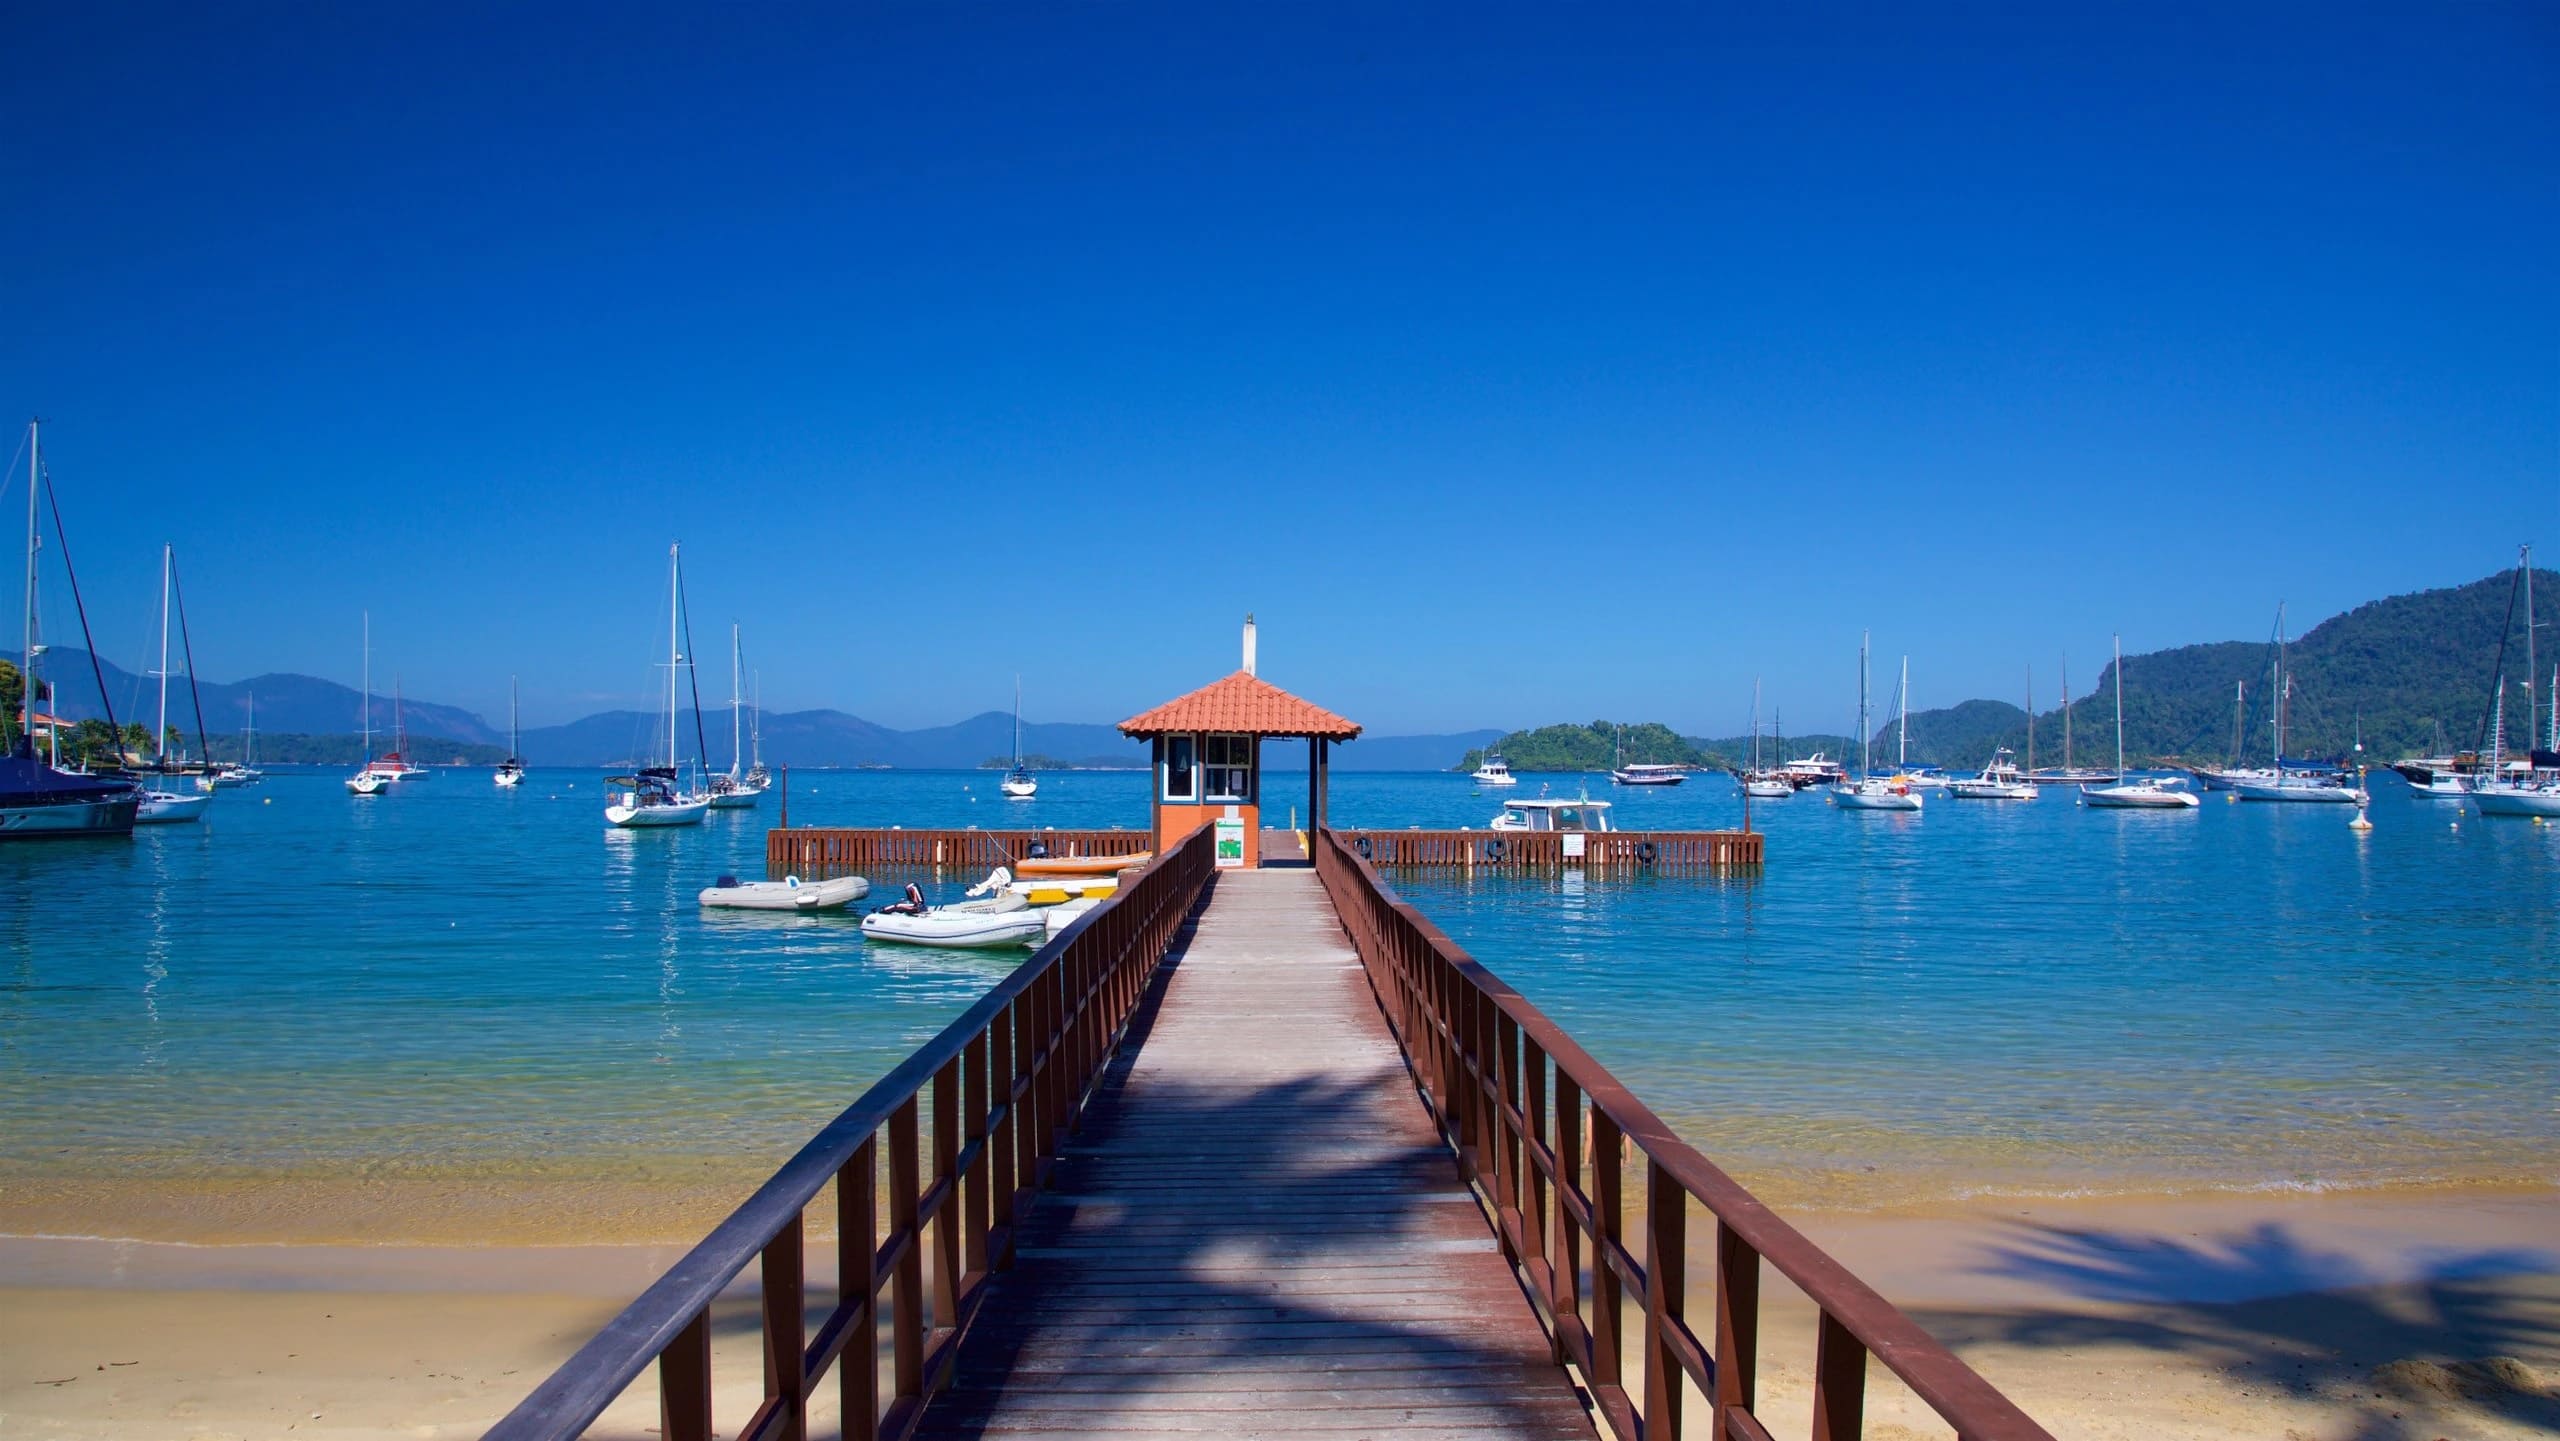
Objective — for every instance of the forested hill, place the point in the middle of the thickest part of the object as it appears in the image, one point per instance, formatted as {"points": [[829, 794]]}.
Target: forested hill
{"points": [[2405, 665], [1590, 747]]}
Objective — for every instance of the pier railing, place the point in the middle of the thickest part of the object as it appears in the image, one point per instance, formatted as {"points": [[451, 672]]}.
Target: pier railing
{"points": [[1547, 1135], [1553, 850], [973, 1122], [817, 852]]}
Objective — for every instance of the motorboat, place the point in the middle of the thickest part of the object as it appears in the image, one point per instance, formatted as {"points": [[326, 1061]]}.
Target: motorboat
{"points": [[1923, 778], [2142, 793], [2136, 792], [1495, 771], [1019, 784], [1080, 865], [650, 798], [1582, 814], [1868, 792], [2441, 786], [1647, 775], [2230, 777], [161, 808], [788, 894], [739, 790], [999, 921], [1814, 770], [1999, 780]]}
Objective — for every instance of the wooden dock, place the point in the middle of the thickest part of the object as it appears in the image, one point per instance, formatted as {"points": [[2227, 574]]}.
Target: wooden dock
{"points": [[1259, 1232], [1283, 1162]]}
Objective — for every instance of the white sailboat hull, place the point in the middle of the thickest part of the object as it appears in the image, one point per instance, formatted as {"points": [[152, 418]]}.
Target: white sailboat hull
{"points": [[1768, 790], [1021, 790], [78, 818], [686, 812], [2299, 792], [2505, 801], [744, 798], [2139, 796], [1874, 798], [163, 808], [509, 780]]}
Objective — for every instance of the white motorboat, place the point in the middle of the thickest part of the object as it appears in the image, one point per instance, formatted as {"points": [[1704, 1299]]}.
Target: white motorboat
{"points": [[1867, 792], [788, 894], [1583, 814], [738, 790], [2137, 792], [1058, 917], [1999, 780], [1018, 784], [652, 796], [161, 808], [511, 770], [1000, 920], [2441, 786], [1494, 771], [1923, 778], [1817, 769], [1647, 775]]}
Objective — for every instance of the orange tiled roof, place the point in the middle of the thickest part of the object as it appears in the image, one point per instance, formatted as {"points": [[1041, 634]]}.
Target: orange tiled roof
{"points": [[1241, 704]]}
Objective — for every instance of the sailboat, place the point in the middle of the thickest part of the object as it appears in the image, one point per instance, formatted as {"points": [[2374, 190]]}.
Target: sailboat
{"points": [[244, 771], [738, 790], [1018, 784], [1761, 783], [1921, 777], [651, 796], [1870, 793], [511, 770], [369, 779], [2146, 793], [2537, 793], [2230, 775], [2068, 774], [163, 804], [37, 800], [757, 775], [2294, 784]]}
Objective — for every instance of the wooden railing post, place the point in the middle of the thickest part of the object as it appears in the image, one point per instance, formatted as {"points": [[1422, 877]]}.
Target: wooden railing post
{"points": [[946, 1212], [906, 1284], [1839, 1382], [1607, 1222], [858, 1284], [684, 1383], [1737, 1322], [1665, 1287], [786, 1330]]}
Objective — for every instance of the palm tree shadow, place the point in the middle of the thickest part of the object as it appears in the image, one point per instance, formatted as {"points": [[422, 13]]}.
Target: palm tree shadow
{"points": [[1266, 1257], [2272, 1310]]}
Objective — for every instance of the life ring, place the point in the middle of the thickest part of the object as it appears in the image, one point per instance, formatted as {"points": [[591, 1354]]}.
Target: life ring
{"points": [[1644, 853], [1361, 845], [1493, 849]]}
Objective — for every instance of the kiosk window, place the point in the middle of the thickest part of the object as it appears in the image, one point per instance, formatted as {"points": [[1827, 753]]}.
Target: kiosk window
{"points": [[1177, 768], [1230, 767]]}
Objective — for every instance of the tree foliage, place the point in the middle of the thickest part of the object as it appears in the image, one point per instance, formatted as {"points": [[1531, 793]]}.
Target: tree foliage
{"points": [[1593, 747]]}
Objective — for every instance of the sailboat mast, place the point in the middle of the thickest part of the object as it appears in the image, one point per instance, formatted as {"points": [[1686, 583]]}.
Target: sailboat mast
{"points": [[675, 654], [1902, 740], [2119, 710], [2066, 714], [368, 687], [1755, 723], [1866, 743], [515, 748], [2284, 689], [1017, 720], [2524, 561], [737, 706], [2031, 720], [27, 642], [160, 737]]}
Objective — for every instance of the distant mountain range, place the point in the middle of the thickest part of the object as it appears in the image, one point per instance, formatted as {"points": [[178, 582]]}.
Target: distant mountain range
{"points": [[2406, 668]]}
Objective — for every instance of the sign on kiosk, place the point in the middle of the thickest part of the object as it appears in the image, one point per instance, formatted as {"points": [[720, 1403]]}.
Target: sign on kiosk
{"points": [[1230, 841]]}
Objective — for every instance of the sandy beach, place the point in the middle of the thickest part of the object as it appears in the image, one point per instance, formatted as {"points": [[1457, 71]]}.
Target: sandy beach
{"points": [[2322, 1317]]}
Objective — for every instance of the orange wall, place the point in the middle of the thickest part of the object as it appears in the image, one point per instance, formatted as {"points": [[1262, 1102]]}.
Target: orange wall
{"points": [[1175, 821]]}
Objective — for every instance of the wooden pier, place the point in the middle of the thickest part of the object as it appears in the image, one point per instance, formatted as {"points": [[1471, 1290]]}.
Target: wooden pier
{"points": [[1288, 1162], [815, 852]]}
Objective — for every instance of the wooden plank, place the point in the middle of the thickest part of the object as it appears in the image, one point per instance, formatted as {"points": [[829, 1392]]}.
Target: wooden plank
{"points": [[1256, 1232]]}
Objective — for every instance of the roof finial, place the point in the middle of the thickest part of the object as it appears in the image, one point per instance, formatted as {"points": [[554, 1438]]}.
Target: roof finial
{"points": [[1248, 643]]}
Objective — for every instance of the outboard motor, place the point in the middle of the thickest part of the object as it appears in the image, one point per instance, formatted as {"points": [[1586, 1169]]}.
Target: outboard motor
{"points": [[1035, 850], [725, 883]]}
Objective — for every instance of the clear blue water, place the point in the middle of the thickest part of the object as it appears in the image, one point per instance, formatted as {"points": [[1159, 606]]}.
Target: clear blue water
{"points": [[467, 985]]}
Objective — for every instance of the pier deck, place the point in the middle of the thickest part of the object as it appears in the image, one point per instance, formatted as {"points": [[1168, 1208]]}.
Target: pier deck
{"points": [[1258, 1232]]}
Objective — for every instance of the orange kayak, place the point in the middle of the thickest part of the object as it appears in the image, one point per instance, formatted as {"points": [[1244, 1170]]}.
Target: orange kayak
{"points": [[1080, 865]]}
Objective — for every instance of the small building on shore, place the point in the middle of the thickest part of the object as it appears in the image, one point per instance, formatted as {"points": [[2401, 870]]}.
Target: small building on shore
{"points": [[1208, 757]]}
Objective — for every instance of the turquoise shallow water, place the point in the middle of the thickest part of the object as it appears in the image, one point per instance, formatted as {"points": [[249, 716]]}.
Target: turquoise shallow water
{"points": [[468, 985]]}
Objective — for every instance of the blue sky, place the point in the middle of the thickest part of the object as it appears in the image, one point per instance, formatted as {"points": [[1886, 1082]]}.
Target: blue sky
{"points": [[1513, 364]]}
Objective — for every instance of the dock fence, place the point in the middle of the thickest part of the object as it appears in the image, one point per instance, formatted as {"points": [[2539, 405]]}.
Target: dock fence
{"points": [[1554, 850], [1541, 1131], [820, 852], [974, 1121]]}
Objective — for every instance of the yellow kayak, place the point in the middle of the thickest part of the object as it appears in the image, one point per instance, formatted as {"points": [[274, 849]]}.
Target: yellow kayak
{"points": [[1080, 865]]}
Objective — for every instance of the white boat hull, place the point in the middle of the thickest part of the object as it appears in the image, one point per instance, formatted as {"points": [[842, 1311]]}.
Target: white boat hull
{"points": [[1768, 790], [1021, 790], [509, 780], [742, 799], [960, 930], [688, 812], [368, 784], [2139, 797], [2503, 801], [788, 894], [163, 808], [2299, 794], [1874, 798], [1978, 790]]}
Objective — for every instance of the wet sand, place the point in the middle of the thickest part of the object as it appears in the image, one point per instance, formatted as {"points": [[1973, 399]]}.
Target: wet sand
{"points": [[2377, 1315]]}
